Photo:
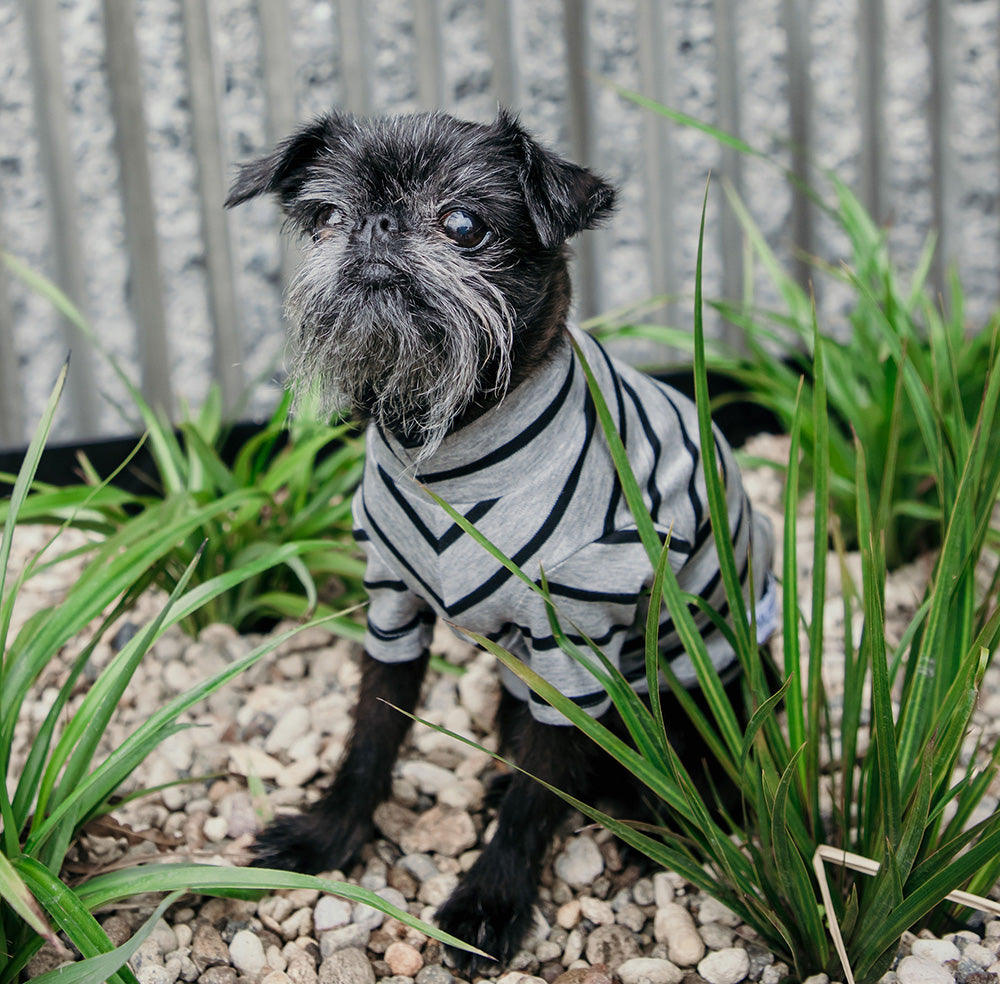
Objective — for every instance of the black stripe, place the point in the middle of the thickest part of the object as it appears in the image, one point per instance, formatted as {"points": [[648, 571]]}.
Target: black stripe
{"points": [[677, 543], [545, 531], [391, 635], [692, 449], [584, 594], [386, 585], [616, 488], [652, 490], [390, 546], [587, 700], [514, 445], [453, 533]]}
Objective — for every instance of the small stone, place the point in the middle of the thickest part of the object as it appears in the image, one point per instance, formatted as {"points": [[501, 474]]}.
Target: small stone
{"points": [[219, 975], [817, 979], [352, 936], [978, 954], [350, 966], [152, 973], [573, 949], [597, 911], [936, 950], [774, 973], [275, 977], [727, 966], [674, 926], [922, 970], [435, 890], [421, 866], [518, 977], [643, 892], [208, 948], [663, 889], [647, 970], [632, 916], [716, 936], [302, 971], [611, 946], [331, 912], [585, 975], [712, 910], [434, 974], [293, 724], [580, 862], [215, 828], [568, 914], [403, 959], [246, 953], [441, 830]]}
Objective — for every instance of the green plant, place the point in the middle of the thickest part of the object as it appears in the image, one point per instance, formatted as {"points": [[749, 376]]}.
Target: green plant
{"points": [[64, 782], [288, 486], [904, 800], [903, 347]]}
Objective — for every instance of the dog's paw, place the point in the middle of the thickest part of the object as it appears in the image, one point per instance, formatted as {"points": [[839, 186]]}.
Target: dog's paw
{"points": [[308, 843], [496, 922]]}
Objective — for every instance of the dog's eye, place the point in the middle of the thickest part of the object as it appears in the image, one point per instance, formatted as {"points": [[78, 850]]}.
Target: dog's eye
{"points": [[464, 229], [328, 217]]}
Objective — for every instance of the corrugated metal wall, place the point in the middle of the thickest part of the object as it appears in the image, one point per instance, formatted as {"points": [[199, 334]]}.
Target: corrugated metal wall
{"points": [[899, 96]]}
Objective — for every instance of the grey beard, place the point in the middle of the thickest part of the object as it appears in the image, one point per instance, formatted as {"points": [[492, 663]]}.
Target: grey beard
{"points": [[412, 367]]}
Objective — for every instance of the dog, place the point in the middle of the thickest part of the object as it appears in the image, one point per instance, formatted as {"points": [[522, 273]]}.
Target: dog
{"points": [[433, 301]]}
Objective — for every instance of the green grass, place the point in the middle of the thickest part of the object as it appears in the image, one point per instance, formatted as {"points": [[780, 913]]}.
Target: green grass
{"points": [[903, 799], [287, 489], [906, 384], [66, 781]]}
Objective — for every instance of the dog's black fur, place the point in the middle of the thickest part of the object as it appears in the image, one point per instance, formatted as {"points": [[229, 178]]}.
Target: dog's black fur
{"points": [[382, 279]]}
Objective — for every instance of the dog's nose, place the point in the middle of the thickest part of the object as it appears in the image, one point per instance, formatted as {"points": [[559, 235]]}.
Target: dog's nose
{"points": [[378, 227]]}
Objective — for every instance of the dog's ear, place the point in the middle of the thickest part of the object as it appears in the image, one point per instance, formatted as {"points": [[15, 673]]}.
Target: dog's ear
{"points": [[562, 198], [284, 170]]}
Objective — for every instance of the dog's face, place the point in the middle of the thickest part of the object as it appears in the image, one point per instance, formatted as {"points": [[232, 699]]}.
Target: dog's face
{"points": [[435, 267]]}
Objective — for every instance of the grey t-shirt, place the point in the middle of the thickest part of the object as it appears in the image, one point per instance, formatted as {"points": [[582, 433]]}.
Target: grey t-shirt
{"points": [[534, 474]]}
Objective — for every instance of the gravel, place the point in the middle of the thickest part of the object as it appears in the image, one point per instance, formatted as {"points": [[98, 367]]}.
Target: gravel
{"points": [[597, 915]]}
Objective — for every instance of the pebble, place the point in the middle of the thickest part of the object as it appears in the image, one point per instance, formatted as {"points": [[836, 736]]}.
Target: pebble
{"points": [[580, 862], [937, 950], [674, 925], [727, 966], [247, 953], [331, 912], [441, 830], [922, 970], [348, 966], [568, 914], [611, 946], [711, 910], [648, 970], [597, 911], [403, 959], [208, 948]]}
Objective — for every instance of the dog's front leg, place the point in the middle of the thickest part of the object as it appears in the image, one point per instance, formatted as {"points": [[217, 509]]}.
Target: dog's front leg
{"points": [[492, 907], [330, 833]]}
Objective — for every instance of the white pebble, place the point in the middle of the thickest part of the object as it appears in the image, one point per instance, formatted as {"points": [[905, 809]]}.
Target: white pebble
{"points": [[727, 966], [979, 954], [580, 862], [922, 970], [596, 910], [647, 970], [712, 910], [428, 778], [247, 953], [674, 926], [568, 914], [663, 889], [331, 912], [937, 950], [216, 828]]}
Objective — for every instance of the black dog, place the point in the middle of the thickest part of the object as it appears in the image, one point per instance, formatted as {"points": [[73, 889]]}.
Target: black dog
{"points": [[433, 301]]}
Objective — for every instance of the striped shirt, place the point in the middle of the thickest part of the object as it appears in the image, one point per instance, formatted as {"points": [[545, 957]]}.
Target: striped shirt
{"points": [[535, 476]]}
